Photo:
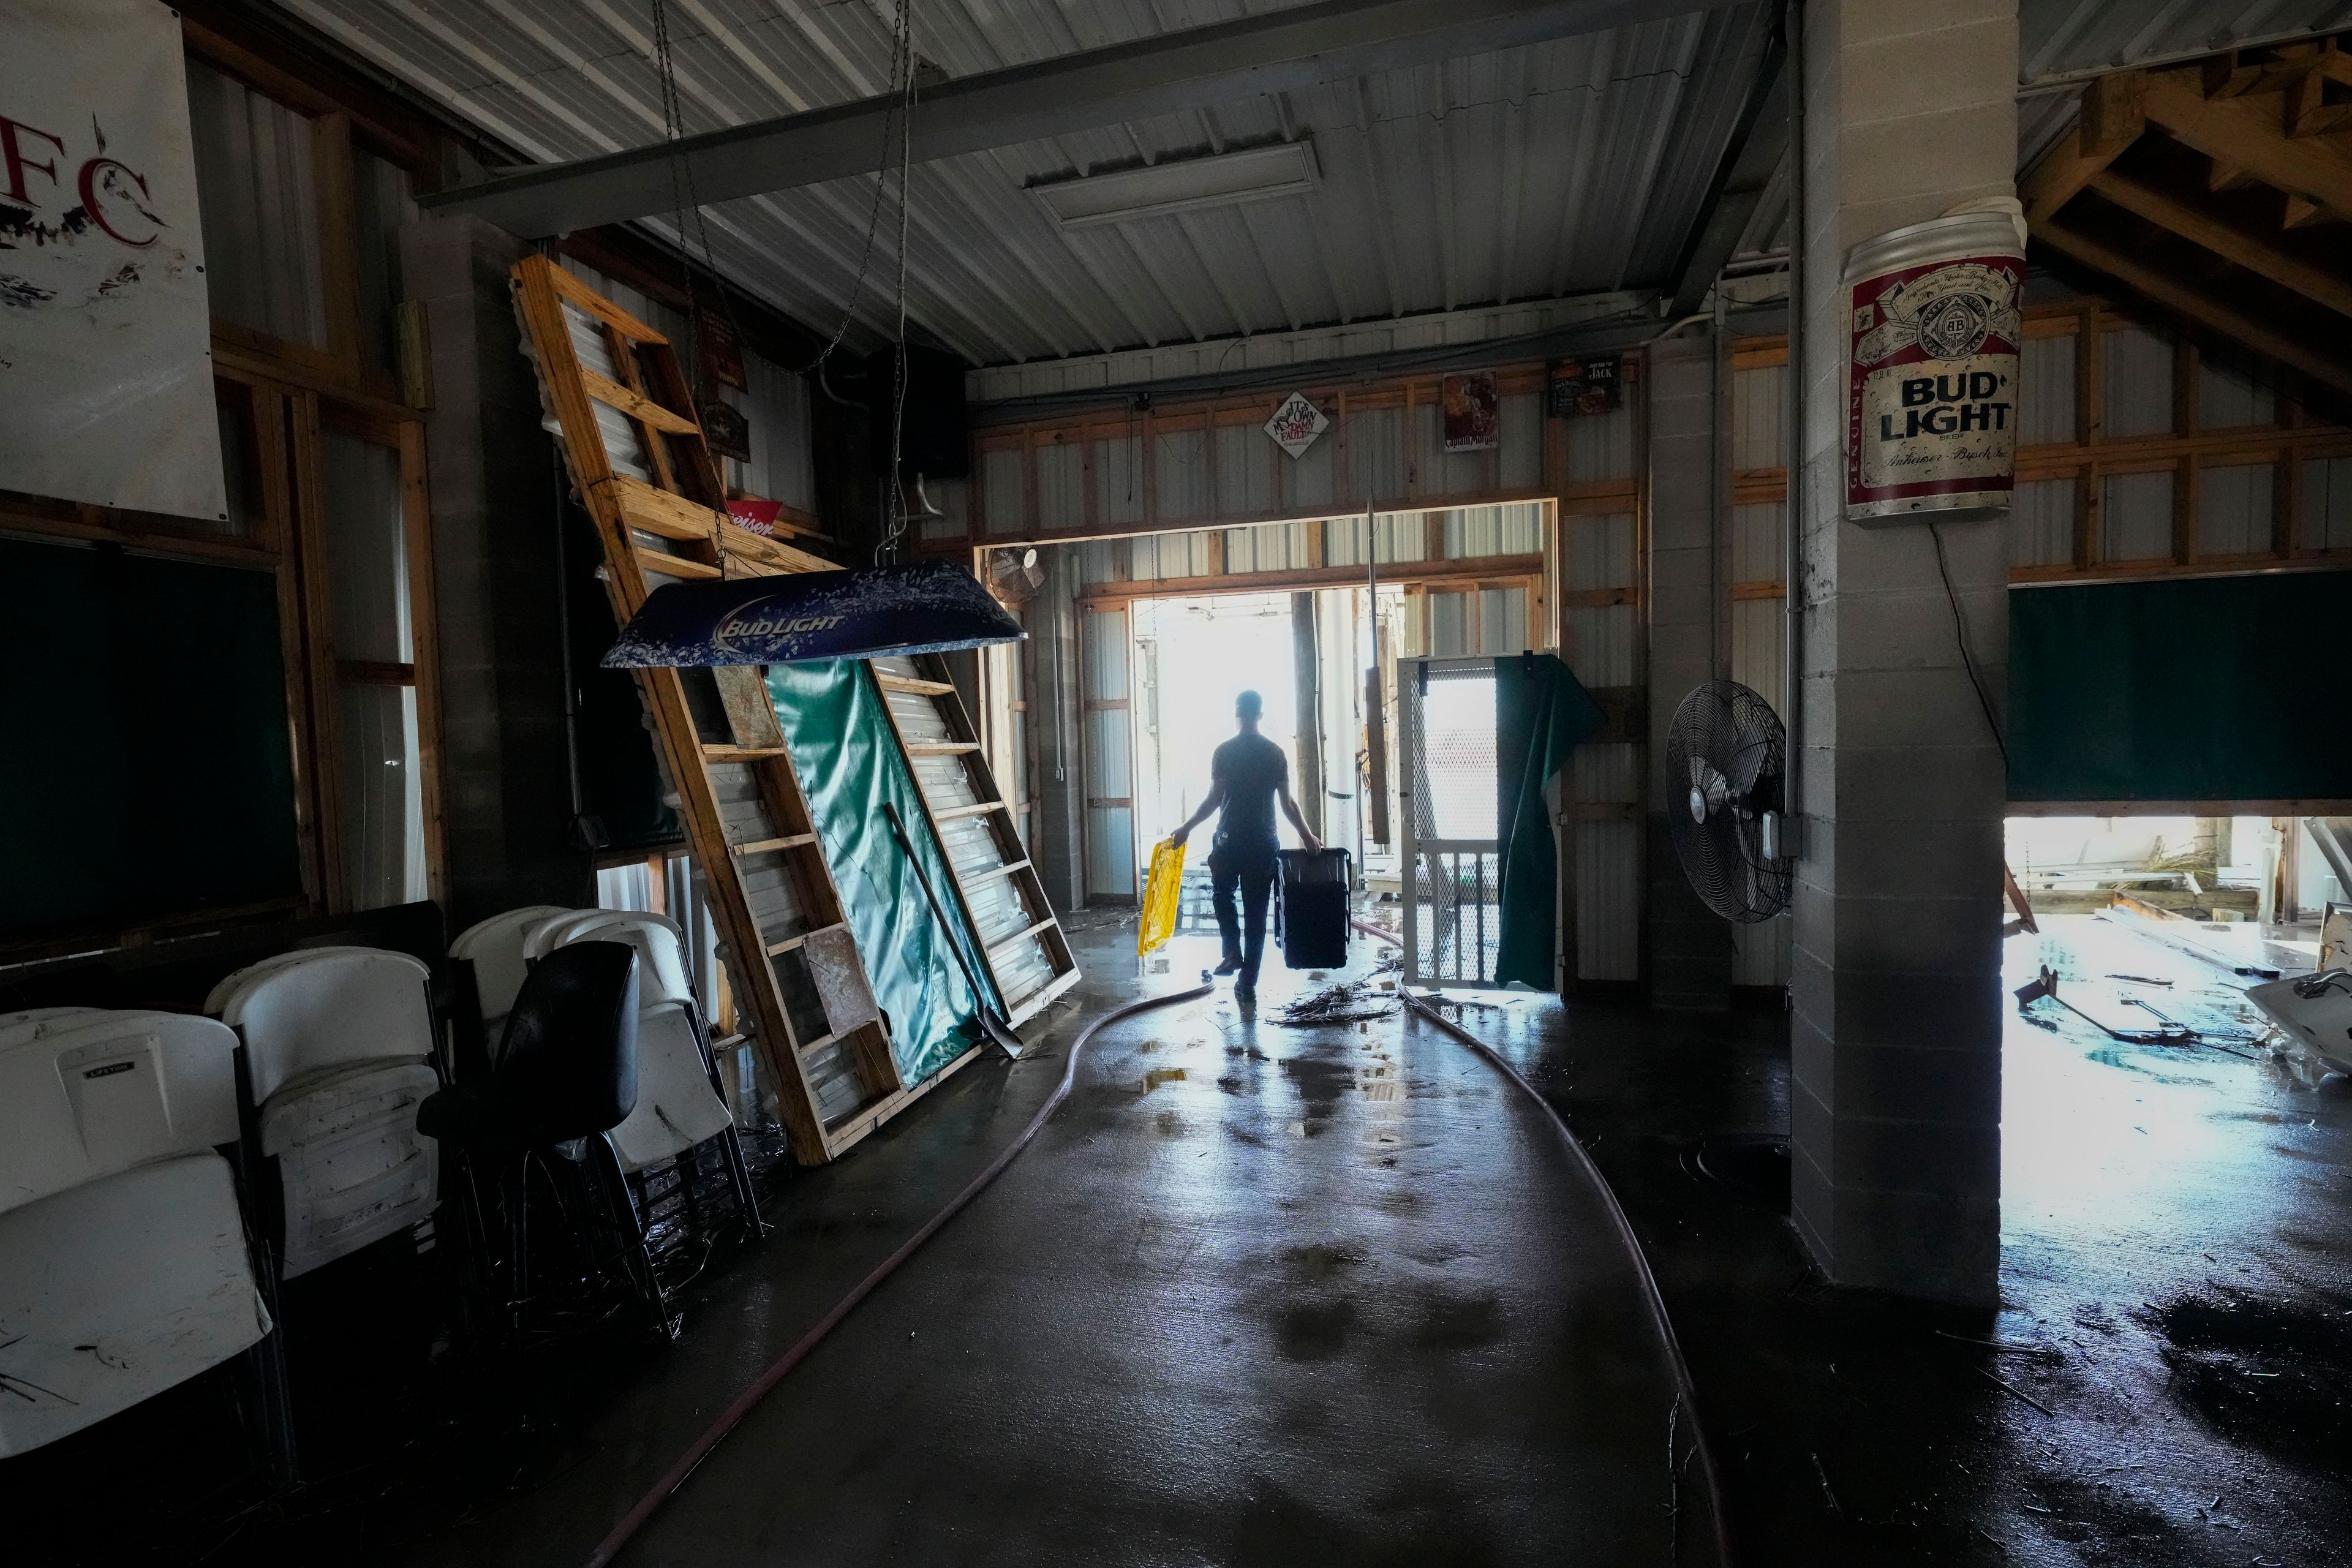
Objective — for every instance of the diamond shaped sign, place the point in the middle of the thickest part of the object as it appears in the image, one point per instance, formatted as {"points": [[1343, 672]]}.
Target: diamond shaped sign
{"points": [[1296, 424]]}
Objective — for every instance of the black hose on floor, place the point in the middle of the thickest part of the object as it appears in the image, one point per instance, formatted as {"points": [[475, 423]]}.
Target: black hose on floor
{"points": [[1685, 1391], [749, 1400]]}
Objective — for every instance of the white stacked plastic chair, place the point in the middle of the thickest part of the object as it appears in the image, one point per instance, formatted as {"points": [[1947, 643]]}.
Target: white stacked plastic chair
{"points": [[339, 1045], [495, 948], [123, 1268]]}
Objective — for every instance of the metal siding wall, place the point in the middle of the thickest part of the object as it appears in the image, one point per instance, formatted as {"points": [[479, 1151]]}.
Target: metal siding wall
{"points": [[258, 206], [1520, 464], [1245, 479], [2327, 503], [2140, 382], [2136, 515], [1756, 398], [2042, 523], [1181, 476], [1309, 479], [1443, 473], [1119, 479], [2233, 512], [2045, 396], [1608, 865], [1756, 531], [1003, 483], [1061, 479], [781, 462], [1515, 529], [2229, 400], [1109, 755], [1601, 447], [953, 500], [1376, 451]]}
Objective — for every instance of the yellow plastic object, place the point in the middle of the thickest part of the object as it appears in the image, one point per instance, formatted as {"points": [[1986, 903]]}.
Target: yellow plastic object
{"points": [[1163, 888]]}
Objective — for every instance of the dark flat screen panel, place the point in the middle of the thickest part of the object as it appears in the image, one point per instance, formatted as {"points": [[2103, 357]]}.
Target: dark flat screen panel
{"points": [[146, 768], [2200, 688]]}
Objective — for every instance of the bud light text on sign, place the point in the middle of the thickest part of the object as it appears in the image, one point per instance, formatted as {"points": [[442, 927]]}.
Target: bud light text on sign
{"points": [[1932, 375]]}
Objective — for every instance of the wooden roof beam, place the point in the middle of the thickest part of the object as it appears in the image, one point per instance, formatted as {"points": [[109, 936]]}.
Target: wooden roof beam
{"points": [[2199, 306], [2113, 115], [2243, 136], [2203, 228]]}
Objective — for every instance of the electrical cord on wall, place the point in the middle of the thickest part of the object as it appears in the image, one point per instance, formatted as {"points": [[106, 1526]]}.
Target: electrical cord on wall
{"points": [[1960, 636]]}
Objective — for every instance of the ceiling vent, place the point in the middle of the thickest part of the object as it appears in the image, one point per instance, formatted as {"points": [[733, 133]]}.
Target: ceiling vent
{"points": [[1182, 184]]}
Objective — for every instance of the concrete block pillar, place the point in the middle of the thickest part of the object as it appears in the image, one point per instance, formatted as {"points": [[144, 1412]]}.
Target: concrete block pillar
{"points": [[1896, 1104], [1689, 958]]}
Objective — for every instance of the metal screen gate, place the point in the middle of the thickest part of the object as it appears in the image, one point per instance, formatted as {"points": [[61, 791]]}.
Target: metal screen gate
{"points": [[1452, 863]]}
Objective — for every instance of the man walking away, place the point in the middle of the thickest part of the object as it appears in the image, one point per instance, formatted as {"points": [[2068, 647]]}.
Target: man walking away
{"points": [[1246, 775]]}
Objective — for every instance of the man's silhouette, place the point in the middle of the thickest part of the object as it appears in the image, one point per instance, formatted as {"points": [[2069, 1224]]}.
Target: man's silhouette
{"points": [[1246, 775]]}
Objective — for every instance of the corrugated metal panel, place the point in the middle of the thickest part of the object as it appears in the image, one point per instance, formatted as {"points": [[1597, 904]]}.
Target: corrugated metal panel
{"points": [[1759, 438], [2140, 382], [1520, 461], [1180, 463], [381, 203], [1119, 479], [1601, 446], [259, 207], [1608, 865], [1061, 480], [2233, 509], [1004, 490], [1164, 555], [1759, 542], [1599, 552], [2327, 503], [2056, 38], [2229, 398], [777, 407], [1531, 174], [2045, 393], [1217, 356], [2136, 517], [1245, 471], [2042, 523], [1475, 531]]}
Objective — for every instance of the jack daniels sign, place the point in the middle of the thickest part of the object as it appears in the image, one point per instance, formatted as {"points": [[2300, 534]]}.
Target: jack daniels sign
{"points": [[1587, 385]]}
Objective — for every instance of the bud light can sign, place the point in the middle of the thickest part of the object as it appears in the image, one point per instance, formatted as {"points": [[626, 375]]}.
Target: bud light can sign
{"points": [[1932, 368]]}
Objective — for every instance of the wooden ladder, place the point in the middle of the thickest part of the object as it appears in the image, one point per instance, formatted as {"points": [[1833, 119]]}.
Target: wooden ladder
{"points": [[621, 403], [1002, 897]]}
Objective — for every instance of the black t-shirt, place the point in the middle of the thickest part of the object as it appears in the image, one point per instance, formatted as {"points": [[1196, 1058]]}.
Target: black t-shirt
{"points": [[1252, 768]]}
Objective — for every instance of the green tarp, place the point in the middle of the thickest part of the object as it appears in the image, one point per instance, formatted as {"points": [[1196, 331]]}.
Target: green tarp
{"points": [[838, 730], [2206, 689], [1542, 713]]}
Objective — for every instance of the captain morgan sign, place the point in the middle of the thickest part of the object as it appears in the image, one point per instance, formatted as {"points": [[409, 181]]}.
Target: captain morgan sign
{"points": [[106, 384], [1932, 387]]}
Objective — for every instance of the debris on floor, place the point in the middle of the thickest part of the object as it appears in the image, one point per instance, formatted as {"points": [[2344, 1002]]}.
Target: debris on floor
{"points": [[1344, 1003]]}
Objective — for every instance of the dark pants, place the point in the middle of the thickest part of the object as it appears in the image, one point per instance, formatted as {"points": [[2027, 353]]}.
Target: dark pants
{"points": [[1248, 870]]}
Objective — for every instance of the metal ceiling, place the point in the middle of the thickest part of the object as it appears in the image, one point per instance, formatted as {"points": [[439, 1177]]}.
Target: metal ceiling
{"points": [[1563, 168]]}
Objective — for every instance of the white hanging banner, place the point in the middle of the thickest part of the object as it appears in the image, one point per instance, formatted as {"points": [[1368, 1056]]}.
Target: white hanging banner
{"points": [[106, 386]]}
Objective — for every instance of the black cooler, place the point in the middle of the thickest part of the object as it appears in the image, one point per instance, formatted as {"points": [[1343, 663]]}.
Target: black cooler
{"points": [[1314, 923]]}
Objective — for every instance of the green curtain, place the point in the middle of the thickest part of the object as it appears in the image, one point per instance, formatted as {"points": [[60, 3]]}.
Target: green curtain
{"points": [[838, 730], [1541, 713]]}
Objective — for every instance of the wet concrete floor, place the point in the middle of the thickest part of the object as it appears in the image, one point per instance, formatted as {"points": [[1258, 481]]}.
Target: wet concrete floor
{"points": [[1262, 1295], [1258, 1295], [2177, 1250]]}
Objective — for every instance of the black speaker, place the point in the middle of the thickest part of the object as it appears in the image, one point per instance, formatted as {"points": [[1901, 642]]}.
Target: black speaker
{"points": [[934, 440]]}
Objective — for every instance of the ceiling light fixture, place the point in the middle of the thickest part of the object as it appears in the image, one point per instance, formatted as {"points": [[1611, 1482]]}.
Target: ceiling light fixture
{"points": [[1182, 184]]}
